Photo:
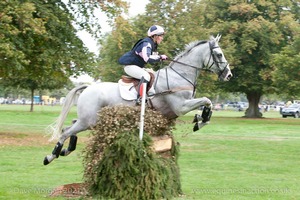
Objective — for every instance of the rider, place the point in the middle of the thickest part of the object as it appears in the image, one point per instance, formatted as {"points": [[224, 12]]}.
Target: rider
{"points": [[143, 52]]}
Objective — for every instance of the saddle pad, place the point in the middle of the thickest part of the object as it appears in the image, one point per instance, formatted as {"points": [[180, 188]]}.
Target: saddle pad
{"points": [[127, 90]]}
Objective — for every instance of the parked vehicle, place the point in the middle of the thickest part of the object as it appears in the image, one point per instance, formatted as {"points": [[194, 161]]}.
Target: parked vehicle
{"points": [[292, 110], [239, 106]]}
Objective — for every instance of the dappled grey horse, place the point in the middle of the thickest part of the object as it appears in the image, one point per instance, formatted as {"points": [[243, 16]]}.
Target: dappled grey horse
{"points": [[172, 94]]}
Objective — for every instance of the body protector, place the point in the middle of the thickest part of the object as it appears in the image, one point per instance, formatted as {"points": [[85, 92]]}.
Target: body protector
{"points": [[134, 56]]}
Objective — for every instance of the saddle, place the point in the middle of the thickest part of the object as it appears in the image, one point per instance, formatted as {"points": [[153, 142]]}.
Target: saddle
{"points": [[129, 79]]}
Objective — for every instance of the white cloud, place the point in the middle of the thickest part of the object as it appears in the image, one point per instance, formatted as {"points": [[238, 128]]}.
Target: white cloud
{"points": [[137, 7]]}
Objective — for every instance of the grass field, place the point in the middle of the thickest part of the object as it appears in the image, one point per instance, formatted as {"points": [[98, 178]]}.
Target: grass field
{"points": [[232, 158]]}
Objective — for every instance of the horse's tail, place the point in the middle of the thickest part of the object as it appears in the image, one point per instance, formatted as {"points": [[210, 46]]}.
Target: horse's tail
{"points": [[56, 127]]}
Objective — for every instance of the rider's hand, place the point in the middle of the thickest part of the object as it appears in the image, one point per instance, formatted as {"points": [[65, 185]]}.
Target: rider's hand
{"points": [[163, 57]]}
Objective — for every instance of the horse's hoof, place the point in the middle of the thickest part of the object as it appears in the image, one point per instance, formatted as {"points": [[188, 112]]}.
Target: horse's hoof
{"points": [[196, 127], [46, 162], [63, 152], [197, 118]]}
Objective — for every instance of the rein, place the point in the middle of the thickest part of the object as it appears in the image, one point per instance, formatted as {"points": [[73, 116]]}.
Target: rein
{"points": [[197, 71], [176, 61], [169, 91]]}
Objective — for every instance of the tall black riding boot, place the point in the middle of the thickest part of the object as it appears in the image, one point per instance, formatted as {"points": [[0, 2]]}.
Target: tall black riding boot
{"points": [[138, 98]]}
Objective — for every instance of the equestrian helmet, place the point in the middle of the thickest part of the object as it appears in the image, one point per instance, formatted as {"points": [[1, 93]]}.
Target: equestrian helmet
{"points": [[156, 30]]}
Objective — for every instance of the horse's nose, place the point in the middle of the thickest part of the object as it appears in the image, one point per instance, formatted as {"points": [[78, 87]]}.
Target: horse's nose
{"points": [[229, 76]]}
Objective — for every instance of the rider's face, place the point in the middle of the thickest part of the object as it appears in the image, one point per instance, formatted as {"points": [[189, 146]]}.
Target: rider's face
{"points": [[158, 38]]}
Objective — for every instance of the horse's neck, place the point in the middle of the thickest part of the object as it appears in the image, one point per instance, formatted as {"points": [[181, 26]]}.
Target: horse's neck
{"points": [[188, 66], [195, 56], [176, 75]]}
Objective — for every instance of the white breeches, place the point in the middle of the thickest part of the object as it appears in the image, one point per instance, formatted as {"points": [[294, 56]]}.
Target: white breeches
{"points": [[137, 72]]}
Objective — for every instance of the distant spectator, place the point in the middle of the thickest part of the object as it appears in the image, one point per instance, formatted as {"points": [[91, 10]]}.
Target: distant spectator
{"points": [[266, 108]]}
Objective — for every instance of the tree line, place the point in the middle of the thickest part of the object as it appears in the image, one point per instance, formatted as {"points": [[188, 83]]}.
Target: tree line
{"points": [[39, 48]]}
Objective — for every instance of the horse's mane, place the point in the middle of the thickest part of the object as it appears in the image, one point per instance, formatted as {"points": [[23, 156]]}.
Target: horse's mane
{"points": [[189, 47]]}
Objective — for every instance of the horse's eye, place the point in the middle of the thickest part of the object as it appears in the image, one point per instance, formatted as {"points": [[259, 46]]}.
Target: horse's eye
{"points": [[219, 55]]}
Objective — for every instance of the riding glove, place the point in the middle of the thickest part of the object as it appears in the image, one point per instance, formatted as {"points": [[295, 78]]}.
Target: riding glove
{"points": [[163, 57]]}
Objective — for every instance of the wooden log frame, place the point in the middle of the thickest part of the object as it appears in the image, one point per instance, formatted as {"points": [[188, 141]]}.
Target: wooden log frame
{"points": [[162, 143]]}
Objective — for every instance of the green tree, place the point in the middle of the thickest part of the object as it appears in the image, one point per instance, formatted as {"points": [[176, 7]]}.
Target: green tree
{"points": [[253, 31], [51, 53], [287, 69], [39, 48], [13, 13]]}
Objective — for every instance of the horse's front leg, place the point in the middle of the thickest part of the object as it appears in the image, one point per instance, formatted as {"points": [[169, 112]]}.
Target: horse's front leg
{"points": [[204, 118], [200, 121], [193, 104]]}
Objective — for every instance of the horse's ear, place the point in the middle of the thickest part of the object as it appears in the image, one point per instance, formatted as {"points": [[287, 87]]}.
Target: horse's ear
{"points": [[218, 38]]}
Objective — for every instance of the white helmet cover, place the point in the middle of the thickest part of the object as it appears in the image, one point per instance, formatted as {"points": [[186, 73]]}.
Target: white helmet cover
{"points": [[155, 30]]}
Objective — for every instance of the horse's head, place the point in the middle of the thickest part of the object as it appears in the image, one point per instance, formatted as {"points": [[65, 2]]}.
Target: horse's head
{"points": [[217, 62]]}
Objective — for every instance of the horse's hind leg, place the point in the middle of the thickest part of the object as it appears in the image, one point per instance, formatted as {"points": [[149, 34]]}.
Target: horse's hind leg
{"points": [[72, 144], [68, 132], [71, 147], [55, 153]]}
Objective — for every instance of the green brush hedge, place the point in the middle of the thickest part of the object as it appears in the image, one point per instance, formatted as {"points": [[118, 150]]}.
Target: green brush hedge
{"points": [[118, 165]]}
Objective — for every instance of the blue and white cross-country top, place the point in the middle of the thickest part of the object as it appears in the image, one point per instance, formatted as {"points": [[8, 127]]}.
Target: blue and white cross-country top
{"points": [[147, 50], [143, 52]]}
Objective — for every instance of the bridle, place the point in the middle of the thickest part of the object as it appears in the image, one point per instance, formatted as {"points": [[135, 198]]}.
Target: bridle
{"points": [[213, 55]]}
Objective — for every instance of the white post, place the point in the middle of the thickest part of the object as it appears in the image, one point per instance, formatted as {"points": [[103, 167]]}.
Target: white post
{"points": [[144, 86]]}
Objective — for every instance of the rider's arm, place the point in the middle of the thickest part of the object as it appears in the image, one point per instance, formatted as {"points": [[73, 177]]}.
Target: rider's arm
{"points": [[146, 54]]}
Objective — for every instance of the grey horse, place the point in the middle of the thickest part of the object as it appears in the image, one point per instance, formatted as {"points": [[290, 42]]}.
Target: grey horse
{"points": [[174, 91]]}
